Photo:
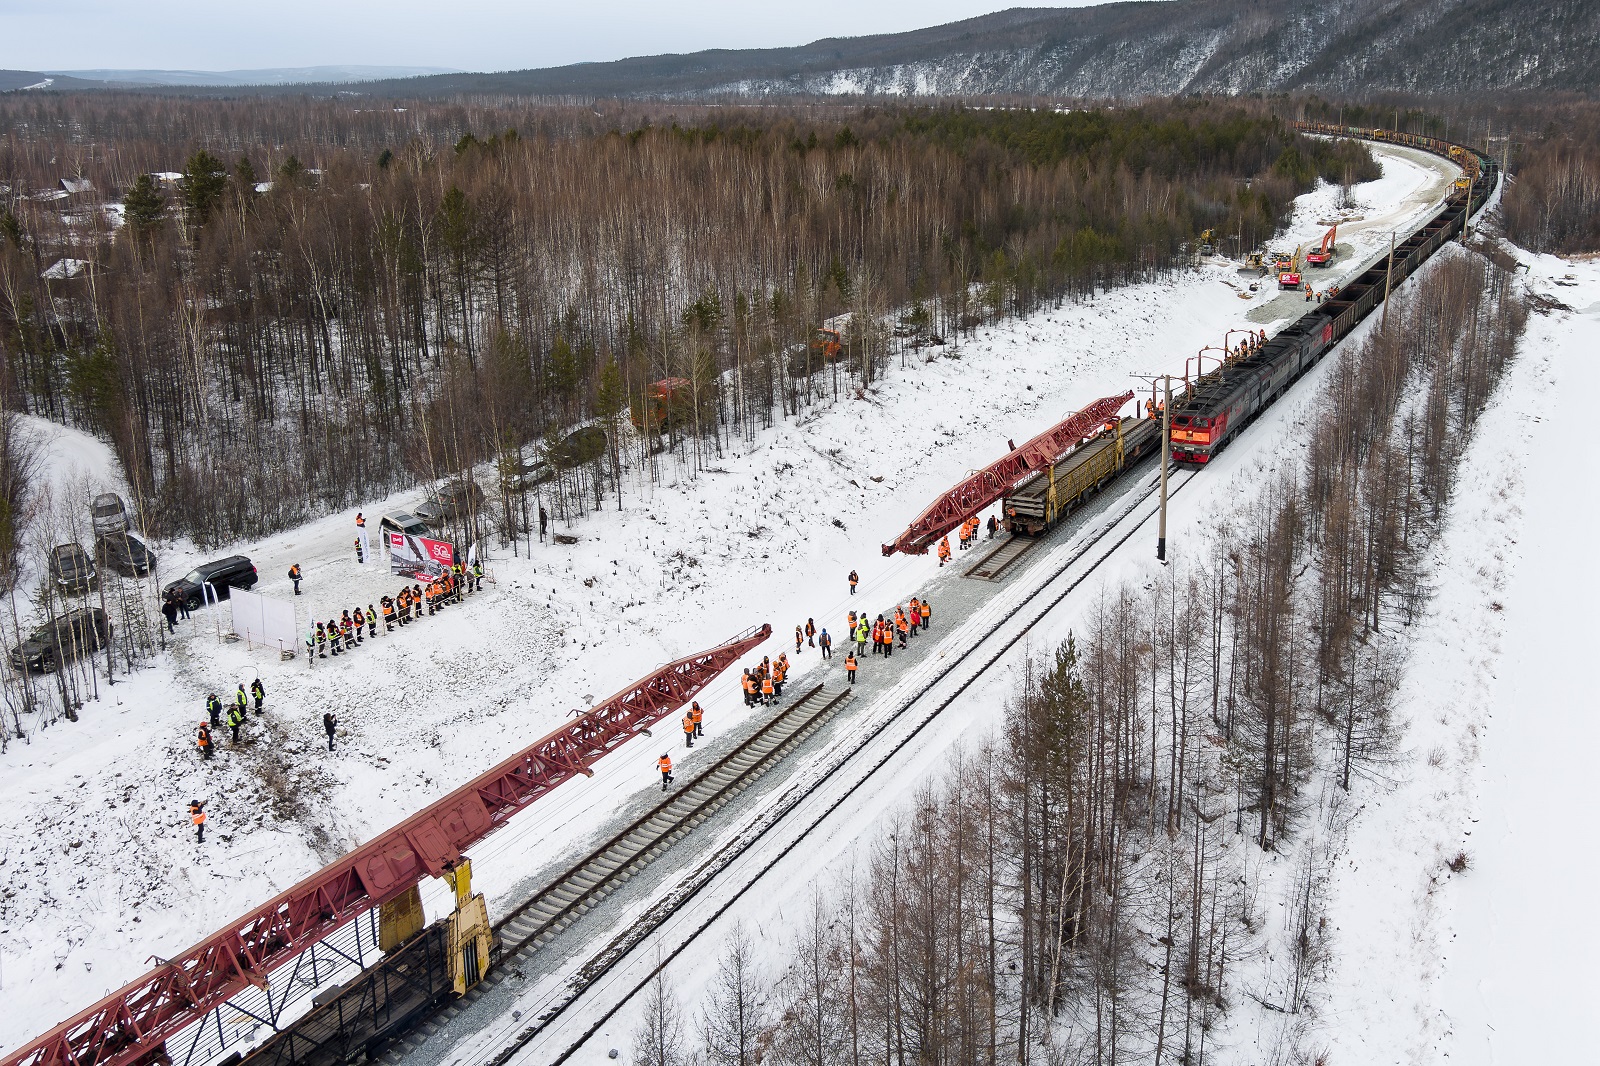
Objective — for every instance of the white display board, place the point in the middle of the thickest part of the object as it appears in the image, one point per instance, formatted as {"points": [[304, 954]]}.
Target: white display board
{"points": [[264, 620]]}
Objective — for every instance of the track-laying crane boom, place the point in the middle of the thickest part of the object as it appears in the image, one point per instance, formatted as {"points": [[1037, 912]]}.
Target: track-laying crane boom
{"points": [[985, 486]]}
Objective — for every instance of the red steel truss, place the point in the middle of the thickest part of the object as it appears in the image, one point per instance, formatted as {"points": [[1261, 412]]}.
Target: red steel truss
{"points": [[131, 1024], [986, 486]]}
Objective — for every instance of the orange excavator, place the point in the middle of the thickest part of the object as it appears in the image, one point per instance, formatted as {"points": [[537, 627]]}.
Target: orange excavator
{"points": [[826, 343], [1324, 254]]}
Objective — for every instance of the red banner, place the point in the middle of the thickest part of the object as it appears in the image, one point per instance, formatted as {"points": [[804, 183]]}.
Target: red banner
{"points": [[419, 557]]}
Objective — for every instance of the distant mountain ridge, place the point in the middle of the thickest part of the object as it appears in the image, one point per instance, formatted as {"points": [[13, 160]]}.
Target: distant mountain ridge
{"points": [[264, 76], [347, 74], [1126, 49]]}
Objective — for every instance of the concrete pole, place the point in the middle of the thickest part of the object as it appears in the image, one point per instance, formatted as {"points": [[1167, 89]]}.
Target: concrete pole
{"points": [[1388, 281], [1166, 455]]}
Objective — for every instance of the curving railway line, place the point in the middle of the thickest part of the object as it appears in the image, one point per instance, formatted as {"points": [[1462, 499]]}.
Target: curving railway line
{"points": [[593, 992], [389, 1009]]}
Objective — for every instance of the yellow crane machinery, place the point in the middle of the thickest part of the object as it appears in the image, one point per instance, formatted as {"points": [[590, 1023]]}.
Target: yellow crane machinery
{"points": [[1289, 272]]}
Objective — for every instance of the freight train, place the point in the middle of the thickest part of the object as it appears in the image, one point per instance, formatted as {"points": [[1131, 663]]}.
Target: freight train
{"points": [[1213, 408]]}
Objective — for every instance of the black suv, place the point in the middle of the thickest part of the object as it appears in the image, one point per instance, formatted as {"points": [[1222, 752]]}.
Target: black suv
{"points": [[223, 575], [125, 553], [71, 567], [78, 632]]}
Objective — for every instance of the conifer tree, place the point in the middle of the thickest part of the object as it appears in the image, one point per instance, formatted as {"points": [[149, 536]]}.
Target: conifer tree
{"points": [[204, 181], [144, 206]]}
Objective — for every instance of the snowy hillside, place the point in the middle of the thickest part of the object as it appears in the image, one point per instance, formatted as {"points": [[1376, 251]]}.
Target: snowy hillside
{"points": [[1128, 49], [100, 868]]}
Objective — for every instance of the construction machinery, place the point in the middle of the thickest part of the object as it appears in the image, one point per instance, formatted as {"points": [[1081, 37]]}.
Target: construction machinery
{"points": [[1207, 242], [826, 343], [983, 487], [1289, 272], [1323, 255], [662, 401]]}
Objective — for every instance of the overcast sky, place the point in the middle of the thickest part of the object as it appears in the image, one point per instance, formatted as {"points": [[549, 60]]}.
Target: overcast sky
{"points": [[465, 34]]}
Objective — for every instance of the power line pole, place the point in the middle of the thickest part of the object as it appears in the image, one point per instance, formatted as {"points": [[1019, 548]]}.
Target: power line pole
{"points": [[1388, 282], [1166, 452], [1166, 459]]}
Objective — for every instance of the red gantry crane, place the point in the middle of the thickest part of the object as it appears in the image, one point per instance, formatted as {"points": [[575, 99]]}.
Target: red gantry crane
{"points": [[985, 486], [131, 1025]]}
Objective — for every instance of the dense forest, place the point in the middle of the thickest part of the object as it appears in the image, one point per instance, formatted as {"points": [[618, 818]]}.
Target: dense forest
{"points": [[295, 305], [1084, 888]]}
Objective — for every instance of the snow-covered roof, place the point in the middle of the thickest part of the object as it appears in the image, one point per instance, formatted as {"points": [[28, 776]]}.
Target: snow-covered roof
{"points": [[166, 177], [263, 186], [63, 269], [77, 185]]}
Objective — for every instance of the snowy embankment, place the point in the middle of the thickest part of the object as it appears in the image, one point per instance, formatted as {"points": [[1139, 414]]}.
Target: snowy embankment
{"points": [[1493, 963], [100, 869]]}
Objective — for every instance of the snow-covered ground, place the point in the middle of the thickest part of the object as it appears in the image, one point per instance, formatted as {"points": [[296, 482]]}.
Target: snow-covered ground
{"points": [[99, 866], [1494, 964]]}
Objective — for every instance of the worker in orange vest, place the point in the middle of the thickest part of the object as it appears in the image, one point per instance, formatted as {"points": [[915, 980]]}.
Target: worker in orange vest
{"points": [[699, 716], [767, 695], [203, 740], [664, 764], [927, 615], [850, 666], [197, 818], [748, 683], [944, 551], [854, 580], [688, 730]]}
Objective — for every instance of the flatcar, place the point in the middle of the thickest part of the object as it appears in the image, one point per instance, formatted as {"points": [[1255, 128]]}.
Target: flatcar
{"points": [[1039, 502]]}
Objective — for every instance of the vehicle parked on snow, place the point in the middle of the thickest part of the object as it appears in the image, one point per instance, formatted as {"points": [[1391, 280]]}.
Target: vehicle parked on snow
{"points": [[77, 633], [453, 501], [71, 567], [223, 575], [125, 553], [403, 522], [109, 514], [578, 447]]}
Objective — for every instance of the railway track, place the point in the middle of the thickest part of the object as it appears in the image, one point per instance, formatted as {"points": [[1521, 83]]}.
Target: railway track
{"points": [[605, 869], [998, 561], [947, 681]]}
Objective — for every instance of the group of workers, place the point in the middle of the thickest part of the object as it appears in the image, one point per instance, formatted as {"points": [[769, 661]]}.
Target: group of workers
{"points": [[966, 536], [763, 683], [345, 632], [237, 712]]}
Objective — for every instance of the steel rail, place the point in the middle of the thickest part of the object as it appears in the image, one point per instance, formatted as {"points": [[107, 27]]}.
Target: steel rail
{"points": [[621, 946], [131, 1026]]}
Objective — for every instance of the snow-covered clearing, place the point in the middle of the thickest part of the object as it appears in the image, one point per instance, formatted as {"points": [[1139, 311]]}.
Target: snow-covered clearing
{"points": [[1493, 964], [100, 868]]}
